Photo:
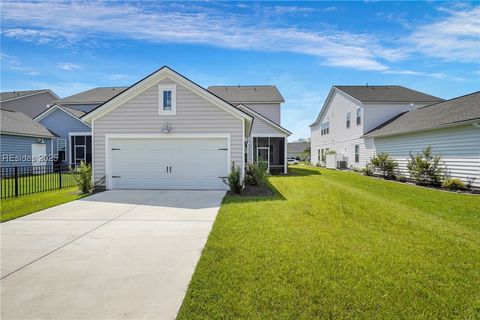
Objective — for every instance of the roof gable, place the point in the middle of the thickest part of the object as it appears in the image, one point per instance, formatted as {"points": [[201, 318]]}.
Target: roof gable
{"points": [[152, 79], [450, 112], [329, 98], [71, 112]]}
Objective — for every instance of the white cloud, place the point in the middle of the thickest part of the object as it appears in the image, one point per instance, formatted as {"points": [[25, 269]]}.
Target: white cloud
{"points": [[68, 66], [75, 22], [455, 38]]}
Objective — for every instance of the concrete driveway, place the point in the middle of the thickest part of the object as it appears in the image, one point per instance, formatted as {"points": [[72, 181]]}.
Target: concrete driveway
{"points": [[114, 255]]}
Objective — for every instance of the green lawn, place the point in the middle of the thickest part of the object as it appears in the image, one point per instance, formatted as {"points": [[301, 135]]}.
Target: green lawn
{"points": [[340, 245], [17, 207], [35, 183]]}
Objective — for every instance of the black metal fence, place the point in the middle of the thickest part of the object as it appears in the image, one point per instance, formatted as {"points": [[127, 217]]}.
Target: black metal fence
{"points": [[22, 180]]}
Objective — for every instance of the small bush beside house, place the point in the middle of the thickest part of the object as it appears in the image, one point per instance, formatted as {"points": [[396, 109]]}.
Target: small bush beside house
{"points": [[234, 179], [256, 173], [83, 177], [425, 167], [383, 164]]}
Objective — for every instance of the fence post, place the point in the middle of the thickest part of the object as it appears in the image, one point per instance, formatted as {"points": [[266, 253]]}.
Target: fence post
{"points": [[16, 181], [60, 176]]}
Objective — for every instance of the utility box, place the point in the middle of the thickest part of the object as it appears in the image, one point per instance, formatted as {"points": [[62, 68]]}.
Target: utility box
{"points": [[331, 161]]}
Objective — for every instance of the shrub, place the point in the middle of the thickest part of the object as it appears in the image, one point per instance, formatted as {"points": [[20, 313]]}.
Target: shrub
{"points": [[83, 177], [234, 179], [383, 164], [425, 167], [368, 170], [256, 173], [454, 184]]}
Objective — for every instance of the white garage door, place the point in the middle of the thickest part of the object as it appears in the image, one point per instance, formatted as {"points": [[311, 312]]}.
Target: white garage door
{"points": [[169, 163]]}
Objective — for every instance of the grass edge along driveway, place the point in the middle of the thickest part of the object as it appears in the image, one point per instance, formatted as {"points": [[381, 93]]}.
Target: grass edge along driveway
{"points": [[13, 208], [340, 245]]}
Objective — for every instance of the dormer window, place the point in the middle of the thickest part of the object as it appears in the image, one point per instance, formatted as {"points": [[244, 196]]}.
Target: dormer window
{"points": [[167, 99]]}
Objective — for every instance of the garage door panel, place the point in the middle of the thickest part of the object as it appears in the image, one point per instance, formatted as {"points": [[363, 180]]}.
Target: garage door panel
{"points": [[142, 163]]}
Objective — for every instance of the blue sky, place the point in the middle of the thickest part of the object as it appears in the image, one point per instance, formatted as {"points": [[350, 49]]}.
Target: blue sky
{"points": [[302, 47]]}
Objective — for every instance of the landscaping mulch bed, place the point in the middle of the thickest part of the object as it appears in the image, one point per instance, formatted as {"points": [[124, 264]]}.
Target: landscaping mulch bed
{"points": [[261, 190]]}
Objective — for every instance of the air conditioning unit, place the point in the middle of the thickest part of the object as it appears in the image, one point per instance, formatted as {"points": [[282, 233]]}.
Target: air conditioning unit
{"points": [[342, 164]]}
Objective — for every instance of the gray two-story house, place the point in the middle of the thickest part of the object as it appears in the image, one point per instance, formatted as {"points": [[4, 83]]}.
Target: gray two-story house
{"points": [[73, 143]]}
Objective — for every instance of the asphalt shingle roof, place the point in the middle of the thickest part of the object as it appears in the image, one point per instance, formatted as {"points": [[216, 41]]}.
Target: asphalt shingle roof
{"points": [[245, 94], [387, 94], [75, 112], [18, 123], [459, 109], [92, 96], [17, 94]]}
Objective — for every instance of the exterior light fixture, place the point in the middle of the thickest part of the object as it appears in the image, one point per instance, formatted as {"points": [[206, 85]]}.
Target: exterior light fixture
{"points": [[167, 127]]}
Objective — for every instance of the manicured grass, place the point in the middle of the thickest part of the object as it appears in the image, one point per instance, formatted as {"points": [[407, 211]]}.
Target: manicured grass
{"points": [[35, 183], [340, 245], [17, 207]]}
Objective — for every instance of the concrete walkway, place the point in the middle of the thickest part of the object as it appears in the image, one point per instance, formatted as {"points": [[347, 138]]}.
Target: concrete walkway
{"points": [[114, 255]]}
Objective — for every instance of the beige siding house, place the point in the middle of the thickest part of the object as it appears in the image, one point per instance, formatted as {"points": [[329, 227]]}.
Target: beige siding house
{"points": [[165, 131]]}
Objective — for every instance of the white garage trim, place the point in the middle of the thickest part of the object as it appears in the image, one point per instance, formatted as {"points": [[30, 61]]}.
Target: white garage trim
{"points": [[108, 137]]}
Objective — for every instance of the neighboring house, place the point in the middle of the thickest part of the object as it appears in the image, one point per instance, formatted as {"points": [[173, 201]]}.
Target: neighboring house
{"points": [[74, 141], [29, 102], [165, 131], [297, 149], [350, 112], [268, 139], [451, 128], [24, 142]]}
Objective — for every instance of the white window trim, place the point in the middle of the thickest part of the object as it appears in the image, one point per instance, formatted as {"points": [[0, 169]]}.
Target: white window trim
{"points": [[356, 151], [65, 145], [161, 89], [358, 115]]}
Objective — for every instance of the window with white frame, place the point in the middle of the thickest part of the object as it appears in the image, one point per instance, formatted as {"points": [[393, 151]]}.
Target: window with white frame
{"points": [[167, 99], [359, 116], [61, 149], [348, 119], [357, 153], [325, 128], [320, 151]]}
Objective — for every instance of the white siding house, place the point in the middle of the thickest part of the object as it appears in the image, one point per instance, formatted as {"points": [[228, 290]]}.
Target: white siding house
{"points": [[351, 111], [450, 128]]}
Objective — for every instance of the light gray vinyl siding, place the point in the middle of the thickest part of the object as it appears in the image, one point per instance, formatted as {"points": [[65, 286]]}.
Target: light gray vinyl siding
{"points": [[459, 147], [62, 124], [31, 105], [140, 115], [270, 111], [19, 146]]}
